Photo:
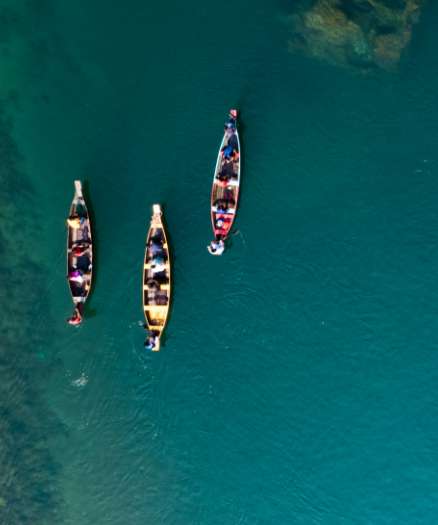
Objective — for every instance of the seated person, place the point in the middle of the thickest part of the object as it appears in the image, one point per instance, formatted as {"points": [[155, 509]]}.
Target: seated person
{"points": [[226, 172], [76, 276], [230, 125], [158, 237], [80, 249], [222, 206], [219, 224], [151, 341], [76, 318], [158, 264], [83, 263], [156, 251], [156, 246], [162, 299], [152, 284], [233, 143], [229, 197], [217, 246], [75, 222], [227, 152]]}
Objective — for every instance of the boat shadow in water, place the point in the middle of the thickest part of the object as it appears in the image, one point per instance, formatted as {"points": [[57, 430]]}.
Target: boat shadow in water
{"points": [[89, 311]]}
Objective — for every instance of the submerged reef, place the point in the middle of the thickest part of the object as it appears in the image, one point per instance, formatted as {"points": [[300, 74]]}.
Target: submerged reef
{"points": [[359, 34], [28, 472], [29, 490]]}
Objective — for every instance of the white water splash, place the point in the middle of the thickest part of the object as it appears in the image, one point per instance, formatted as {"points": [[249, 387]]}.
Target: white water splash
{"points": [[81, 381]]}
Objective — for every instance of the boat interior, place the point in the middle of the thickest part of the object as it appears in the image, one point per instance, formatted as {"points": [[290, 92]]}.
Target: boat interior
{"points": [[226, 181], [156, 285], [225, 190], [80, 237]]}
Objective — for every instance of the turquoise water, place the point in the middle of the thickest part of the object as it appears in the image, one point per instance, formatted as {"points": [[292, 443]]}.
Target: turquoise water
{"points": [[297, 381]]}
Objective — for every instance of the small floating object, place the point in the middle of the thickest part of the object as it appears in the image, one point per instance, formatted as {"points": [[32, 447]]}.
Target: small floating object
{"points": [[156, 281], [79, 254], [226, 182]]}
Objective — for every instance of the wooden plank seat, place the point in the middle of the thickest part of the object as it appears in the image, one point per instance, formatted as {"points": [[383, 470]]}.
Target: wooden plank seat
{"points": [[148, 266], [230, 211], [156, 307]]}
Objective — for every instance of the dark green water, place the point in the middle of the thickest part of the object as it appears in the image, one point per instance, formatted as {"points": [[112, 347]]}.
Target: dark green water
{"points": [[297, 382]]}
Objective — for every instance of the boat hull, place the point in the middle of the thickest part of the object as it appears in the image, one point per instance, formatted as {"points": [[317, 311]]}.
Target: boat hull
{"points": [[225, 187], [156, 277], [79, 238]]}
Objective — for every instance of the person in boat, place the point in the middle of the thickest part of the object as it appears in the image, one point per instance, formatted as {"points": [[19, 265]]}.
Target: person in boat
{"points": [[76, 318], [80, 249], [227, 171], [233, 143], [229, 196], [230, 125], [158, 264], [151, 341], [76, 276], [152, 285], [156, 247], [223, 177], [227, 152], [219, 223], [75, 222], [217, 246], [222, 206]]}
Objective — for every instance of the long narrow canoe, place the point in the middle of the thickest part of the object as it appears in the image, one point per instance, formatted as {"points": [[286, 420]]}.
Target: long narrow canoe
{"points": [[79, 253], [226, 182], [156, 280]]}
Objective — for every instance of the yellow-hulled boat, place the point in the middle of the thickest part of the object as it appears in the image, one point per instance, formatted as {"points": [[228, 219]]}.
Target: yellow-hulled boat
{"points": [[156, 280]]}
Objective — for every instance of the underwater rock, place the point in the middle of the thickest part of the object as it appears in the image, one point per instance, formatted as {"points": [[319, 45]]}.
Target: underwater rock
{"points": [[362, 34]]}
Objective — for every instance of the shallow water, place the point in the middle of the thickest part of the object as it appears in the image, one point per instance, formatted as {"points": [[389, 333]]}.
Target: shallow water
{"points": [[297, 380]]}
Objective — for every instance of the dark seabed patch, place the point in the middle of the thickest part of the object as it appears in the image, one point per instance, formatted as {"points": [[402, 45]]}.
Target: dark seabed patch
{"points": [[28, 471], [297, 381]]}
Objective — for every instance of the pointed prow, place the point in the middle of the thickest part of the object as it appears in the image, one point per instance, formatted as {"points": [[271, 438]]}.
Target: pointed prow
{"points": [[78, 189], [156, 209]]}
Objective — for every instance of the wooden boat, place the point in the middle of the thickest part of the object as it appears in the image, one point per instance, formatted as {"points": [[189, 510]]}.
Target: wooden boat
{"points": [[226, 182], [79, 253], [156, 280]]}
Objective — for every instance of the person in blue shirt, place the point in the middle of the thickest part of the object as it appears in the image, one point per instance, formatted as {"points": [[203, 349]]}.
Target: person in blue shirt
{"points": [[151, 341], [228, 152]]}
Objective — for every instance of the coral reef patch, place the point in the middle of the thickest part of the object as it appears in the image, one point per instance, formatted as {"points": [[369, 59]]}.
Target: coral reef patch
{"points": [[360, 34]]}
